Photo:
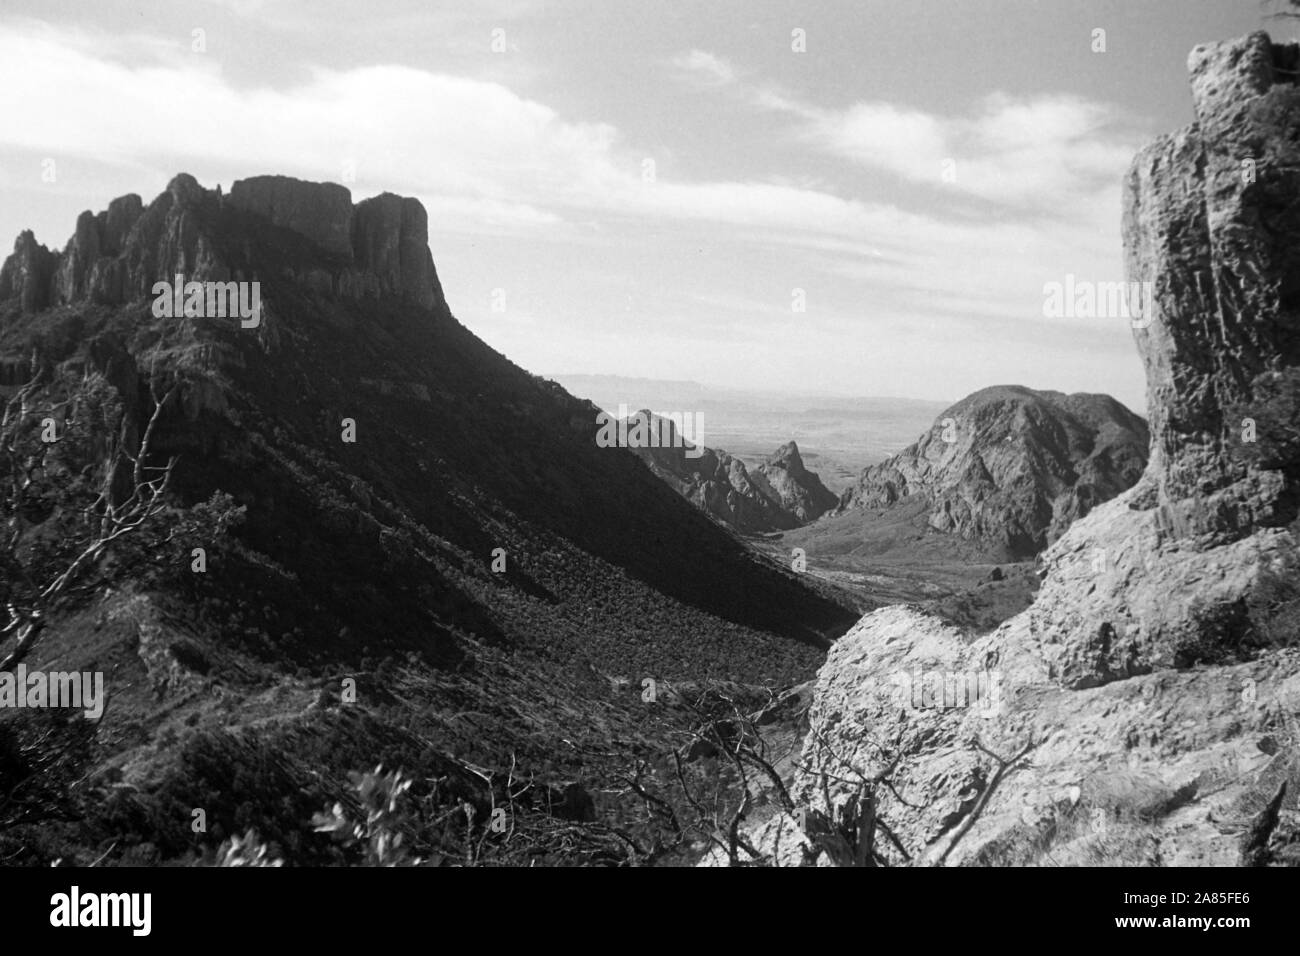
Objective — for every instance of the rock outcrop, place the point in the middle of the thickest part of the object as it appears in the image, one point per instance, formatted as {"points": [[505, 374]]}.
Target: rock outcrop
{"points": [[320, 211], [390, 239], [780, 494], [784, 478], [1211, 220], [1011, 467], [26, 274], [1158, 578], [377, 247], [1163, 769], [116, 222], [1142, 710]]}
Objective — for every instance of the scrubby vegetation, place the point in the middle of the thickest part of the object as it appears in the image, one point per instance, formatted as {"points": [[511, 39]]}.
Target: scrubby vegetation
{"points": [[369, 563]]}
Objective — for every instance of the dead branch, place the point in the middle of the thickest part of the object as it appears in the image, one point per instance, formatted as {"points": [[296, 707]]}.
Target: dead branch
{"points": [[116, 519], [1003, 766]]}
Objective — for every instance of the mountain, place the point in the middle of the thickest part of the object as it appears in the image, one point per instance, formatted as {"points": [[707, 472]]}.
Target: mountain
{"points": [[1010, 468], [779, 494], [783, 478], [838, 436], [412, 551], [1139, 711]]}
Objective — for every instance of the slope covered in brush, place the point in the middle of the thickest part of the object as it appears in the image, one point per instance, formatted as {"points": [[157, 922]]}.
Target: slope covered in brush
{"points": [[420, 515]]}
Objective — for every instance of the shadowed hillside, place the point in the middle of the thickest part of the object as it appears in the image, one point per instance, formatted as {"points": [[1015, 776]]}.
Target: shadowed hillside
{"points": [[470, 558]]}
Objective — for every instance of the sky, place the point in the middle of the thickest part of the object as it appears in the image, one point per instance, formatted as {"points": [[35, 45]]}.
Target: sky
{"points": [[865, 197]]}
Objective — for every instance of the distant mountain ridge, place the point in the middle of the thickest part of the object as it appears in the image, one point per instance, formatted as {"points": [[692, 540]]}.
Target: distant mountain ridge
{"points": [[1011, 467], [777, 495], [837, 436]]}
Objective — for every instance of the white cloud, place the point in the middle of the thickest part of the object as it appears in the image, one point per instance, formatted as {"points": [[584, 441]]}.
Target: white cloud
{"points": [[455, 141], [474, 149], [705, 67], [1043, 153], [879, 134], [486, 160]]}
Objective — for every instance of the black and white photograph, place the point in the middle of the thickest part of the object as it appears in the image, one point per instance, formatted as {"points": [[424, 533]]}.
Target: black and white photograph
{"points": [[572, 434]]}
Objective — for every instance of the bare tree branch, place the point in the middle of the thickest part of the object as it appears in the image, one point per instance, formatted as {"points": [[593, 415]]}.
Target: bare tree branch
{"points": [[114, 518]]}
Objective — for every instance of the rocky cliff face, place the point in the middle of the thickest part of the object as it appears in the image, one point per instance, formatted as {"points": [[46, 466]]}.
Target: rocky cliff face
{"points": [[1141, 711], [1011, 467], [390, 242], [1211, 219], [778, 495], [320, 211], [377, 247], [26, 274], [784, 478]]}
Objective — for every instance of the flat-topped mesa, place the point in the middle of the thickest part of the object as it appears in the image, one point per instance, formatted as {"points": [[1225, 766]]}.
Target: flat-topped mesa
{"points": [[378, 247], [1210, 218], [385, 238], [320, 211]]}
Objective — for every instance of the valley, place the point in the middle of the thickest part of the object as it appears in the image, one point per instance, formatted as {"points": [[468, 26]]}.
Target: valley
{"points": [[314, 555]]}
